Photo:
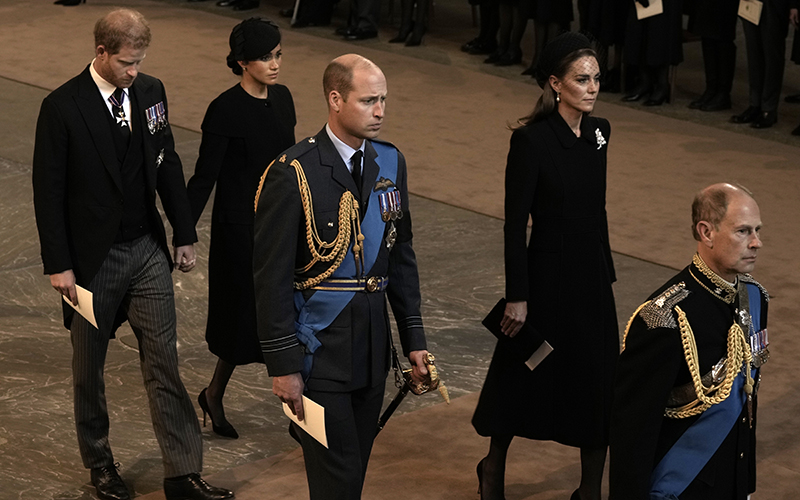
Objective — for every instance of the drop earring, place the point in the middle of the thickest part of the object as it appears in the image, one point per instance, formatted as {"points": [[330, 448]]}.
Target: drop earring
{"points": [[558, 96]]}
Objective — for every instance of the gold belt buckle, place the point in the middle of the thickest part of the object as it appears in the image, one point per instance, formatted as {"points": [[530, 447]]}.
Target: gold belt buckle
{"points": [[372, 284]]}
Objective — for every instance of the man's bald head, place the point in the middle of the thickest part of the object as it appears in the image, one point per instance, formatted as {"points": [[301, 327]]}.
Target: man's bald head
{"points": [[338, 75], [122, 28], [711, 204]]}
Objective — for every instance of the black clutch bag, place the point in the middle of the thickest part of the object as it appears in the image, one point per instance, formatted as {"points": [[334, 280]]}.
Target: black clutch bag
{"points": [[524, 344]]}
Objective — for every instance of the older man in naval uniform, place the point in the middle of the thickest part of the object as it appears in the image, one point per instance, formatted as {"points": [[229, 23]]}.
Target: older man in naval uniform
{"points": [[332, 243], [684, 418]]}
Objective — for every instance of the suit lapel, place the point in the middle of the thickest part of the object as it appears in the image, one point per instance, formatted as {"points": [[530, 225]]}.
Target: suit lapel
{"points": [[94, 112]]}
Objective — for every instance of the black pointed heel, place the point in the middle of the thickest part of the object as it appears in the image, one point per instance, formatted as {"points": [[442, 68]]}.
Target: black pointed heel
{"points": [[224, 430]]}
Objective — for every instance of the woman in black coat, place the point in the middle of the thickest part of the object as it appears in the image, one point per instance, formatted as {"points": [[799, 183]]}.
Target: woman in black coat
{"points": [[244, 129], [560, 282]]}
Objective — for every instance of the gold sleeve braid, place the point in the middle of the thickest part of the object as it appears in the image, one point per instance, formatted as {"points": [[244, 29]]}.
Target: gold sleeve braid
{"points": [[322, 251]]}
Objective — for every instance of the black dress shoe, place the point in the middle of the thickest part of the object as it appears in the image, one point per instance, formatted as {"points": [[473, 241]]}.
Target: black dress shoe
{"points": [[793, 99], [108, 484], [469, 45], [193, 487], [345, 30], [796, 131], [636, 95], [510, 58], [247, 5], [747, 116], [765, 120], [361, 34], [493, 57], [702, 100], [415, 39], [719, 102], [483, 48], [286, 12]]}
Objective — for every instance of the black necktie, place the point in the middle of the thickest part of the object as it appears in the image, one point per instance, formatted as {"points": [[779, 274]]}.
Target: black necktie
{"points": [[356, 159], [116, 99]]}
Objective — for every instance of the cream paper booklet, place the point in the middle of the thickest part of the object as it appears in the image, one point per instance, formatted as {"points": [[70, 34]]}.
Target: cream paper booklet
{"points": [[314, 423], [655, 8], [85, 305], [750, 10]]}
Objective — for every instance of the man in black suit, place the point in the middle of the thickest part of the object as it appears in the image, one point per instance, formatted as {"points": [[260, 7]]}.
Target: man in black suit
{"points": [[332, 242], [103, 149], [683, 424], [766, 51]]}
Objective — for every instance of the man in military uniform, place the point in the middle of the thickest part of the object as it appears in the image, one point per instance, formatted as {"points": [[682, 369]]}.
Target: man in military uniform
{"points": [[332, 242], [684, 417]]}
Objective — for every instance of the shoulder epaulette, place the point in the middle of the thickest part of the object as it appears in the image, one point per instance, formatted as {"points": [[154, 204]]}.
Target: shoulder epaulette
{"points": [[749, 279], [658, 313], [299, 149]]}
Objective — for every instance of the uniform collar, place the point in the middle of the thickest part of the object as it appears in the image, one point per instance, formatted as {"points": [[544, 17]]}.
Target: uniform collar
{"points": [[711, 281], [345, 151]]}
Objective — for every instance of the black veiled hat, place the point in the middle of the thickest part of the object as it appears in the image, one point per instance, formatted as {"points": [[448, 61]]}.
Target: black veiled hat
{"points": [[251, 39], [555, 51]]}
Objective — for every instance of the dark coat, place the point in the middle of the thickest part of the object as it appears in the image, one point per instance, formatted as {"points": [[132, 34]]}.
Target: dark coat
{"points": [[715, 19], [565, 274], [652, 363], [552, 11], [355, 347], [656, 40], [77, 183], [241, 136]]}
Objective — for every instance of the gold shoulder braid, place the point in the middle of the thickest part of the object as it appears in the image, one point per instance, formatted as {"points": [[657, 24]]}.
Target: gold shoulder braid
{"points": [[738, 355], [323, 251]]}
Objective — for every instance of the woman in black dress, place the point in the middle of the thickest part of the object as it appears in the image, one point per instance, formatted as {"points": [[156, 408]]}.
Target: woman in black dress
{"points": [[560, 282], [244, 129]]}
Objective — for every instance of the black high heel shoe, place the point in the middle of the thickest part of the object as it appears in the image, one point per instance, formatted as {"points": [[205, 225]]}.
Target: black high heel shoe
{"points": [[224, 430], [479, 470]]}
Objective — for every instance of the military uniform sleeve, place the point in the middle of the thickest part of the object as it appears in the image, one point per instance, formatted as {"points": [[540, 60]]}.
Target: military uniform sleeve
{"points": [[171, 187], [50, 155], [521, 176], [403, 292], [278, 219], [646, 373]]}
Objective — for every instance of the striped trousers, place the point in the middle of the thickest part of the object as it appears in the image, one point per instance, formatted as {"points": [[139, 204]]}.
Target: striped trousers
{"points": [[135, 279]]}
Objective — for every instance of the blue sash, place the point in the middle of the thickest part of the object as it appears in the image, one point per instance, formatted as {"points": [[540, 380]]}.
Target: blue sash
{"points": [[319, 311], [692, 451]]}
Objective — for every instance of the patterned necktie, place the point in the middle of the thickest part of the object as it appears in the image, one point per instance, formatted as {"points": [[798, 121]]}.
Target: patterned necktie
{"points": [[356, 159], [116, 99]]}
